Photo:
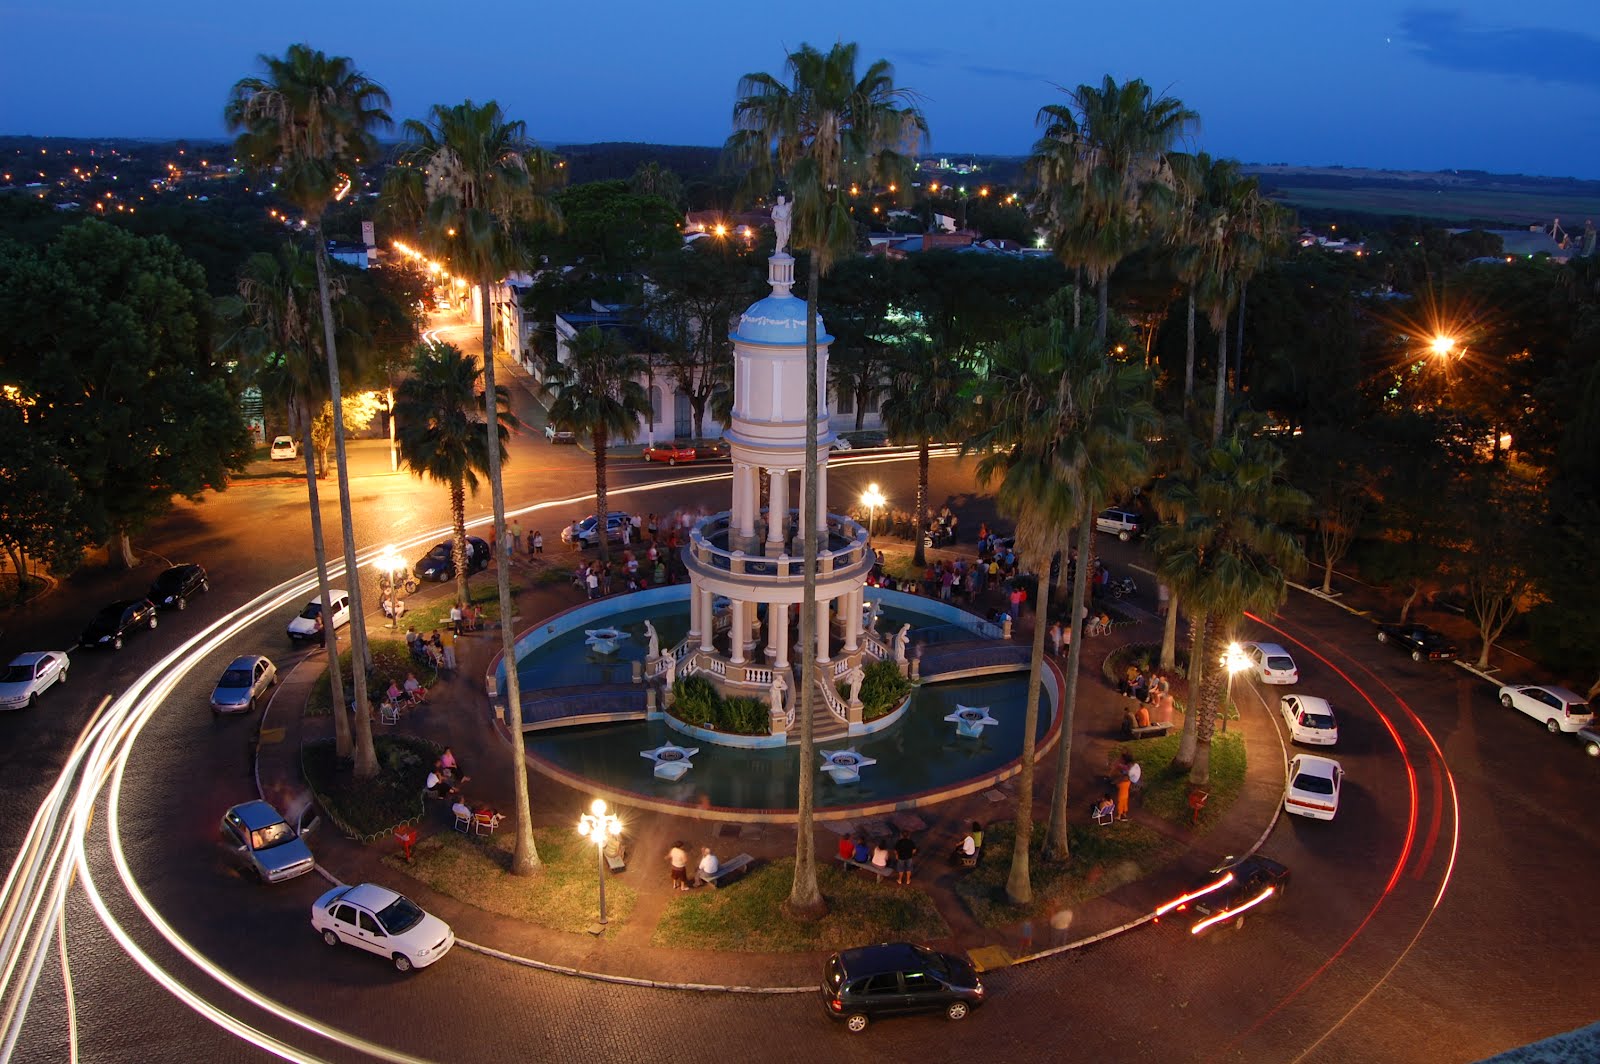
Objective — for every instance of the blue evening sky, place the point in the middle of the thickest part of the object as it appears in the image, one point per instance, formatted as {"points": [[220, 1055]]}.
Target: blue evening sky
{"points": [[1482, 84]]}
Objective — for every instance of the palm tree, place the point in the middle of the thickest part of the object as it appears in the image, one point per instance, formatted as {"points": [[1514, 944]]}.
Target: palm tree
{"points": [[597, 392], [1101, 167], [1066, 437], [929, 396], [467, 176], [819, 131], [270, 322], [441, 434], [1227, 551], [1228, 211], [313, 119]]}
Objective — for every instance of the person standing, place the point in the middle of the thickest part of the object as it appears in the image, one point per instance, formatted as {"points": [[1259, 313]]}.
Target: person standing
{"points": [[536, 545], [455, 617], [449, 650], [678, 859], [516, 536], [592, 582], [905, 852], [1055, 639]]}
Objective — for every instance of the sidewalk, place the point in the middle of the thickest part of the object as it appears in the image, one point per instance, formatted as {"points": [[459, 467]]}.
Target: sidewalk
{"points": [[457, 714]]}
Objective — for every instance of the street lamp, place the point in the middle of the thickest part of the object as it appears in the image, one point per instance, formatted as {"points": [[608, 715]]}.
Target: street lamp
{"points": [[1441, 345], [872, 498], [1234, 661], [599, 827], [391, 569]]}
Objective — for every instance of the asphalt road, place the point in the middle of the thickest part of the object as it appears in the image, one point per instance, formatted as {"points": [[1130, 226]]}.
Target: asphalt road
{"points": [[1408, 933]]}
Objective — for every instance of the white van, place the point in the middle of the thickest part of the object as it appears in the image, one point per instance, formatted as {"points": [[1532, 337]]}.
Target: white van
{"points": [[1124, 524]]}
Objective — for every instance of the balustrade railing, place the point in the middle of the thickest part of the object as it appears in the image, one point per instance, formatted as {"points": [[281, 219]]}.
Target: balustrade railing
{"points": [[846, 547]]}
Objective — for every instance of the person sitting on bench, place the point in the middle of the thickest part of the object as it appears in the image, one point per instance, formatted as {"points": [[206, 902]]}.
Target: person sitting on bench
{"points": [[967, 852], [847, 848], [880, 854], [709, 865], [862, 854], [1141, 716]]}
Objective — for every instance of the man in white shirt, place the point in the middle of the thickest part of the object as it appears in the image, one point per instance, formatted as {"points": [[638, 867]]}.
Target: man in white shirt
{"points": [[709, 864]]}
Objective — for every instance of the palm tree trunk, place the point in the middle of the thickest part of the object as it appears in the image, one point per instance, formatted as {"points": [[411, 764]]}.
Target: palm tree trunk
{"points": [[458, 549], [919, 557], [341, 722], [525, 858], [1077, 303], [1019, 883], [805, 899], [1057, 839], [1103, 317], [1169, 633], [366, 765], [597, 440], [1222, 384], [1238, 345], [1188, 363], [1208, 702], [1195, 674]]}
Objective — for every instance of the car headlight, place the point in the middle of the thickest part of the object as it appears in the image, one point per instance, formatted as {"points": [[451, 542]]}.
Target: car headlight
{"points": [[105, 639]]}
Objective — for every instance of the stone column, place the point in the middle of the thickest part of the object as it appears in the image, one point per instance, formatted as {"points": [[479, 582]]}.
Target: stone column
{"points": [[744, 501], [822, 631], [707, 622], [694, 610], [778, 510], [736, 633], [778, 633], [852, 621], [822, 505]]}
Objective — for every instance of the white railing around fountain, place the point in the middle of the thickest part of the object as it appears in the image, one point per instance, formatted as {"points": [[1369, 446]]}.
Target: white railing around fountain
{"points": [[846, 546], [831, 699], [873, 648]]}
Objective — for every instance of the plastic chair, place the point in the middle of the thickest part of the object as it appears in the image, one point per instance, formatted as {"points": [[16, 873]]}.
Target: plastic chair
{"points": [[1103, 817], [485, 823], [464, 821], [389, 713]]}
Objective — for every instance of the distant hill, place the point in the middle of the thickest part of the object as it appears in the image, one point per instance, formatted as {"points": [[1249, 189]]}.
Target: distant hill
{"points": [[1459, 197]]}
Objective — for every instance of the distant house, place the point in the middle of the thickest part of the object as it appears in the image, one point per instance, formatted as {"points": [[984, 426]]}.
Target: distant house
{"points": [[349, 253]]}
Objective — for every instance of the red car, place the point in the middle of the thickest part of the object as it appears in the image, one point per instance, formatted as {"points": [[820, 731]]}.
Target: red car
{"points": [[670, 453]]}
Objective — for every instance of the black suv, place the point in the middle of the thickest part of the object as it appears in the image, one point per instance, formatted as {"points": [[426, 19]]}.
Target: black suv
{"points": [[859, 985], [440, 562], [115, 621], [174, 588]]}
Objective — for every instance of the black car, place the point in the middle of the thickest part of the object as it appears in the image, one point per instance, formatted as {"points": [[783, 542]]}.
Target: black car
{"points": [[174, 588], [890, 978], [1418, 640], [1228, 891], [440, 562], [115, 621]]}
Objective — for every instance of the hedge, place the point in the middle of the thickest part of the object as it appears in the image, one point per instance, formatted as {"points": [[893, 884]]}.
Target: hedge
{"points": [[697, 701]]}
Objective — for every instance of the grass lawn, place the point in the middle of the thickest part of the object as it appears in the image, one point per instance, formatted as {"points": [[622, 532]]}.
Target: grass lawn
{"points": [[367, 808], [476, 869], [484, 592], [1104, 858], [390, 660], [747, 915]]}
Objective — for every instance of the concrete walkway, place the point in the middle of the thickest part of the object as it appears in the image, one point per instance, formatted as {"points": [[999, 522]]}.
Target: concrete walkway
{"points": [[458, 715]]}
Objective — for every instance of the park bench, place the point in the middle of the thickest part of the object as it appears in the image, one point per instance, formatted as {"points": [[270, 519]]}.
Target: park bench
{"points": [[727, 871], [883, 873], [1150, 731]]}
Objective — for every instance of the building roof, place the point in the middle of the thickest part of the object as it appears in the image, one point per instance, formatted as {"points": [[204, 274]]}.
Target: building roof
{"points": [[778, 320]]}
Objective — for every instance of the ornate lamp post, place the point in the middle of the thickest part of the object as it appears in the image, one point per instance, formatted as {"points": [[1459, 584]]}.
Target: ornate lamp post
{"points": [[599, 827], [391, 579], [872, 499]]}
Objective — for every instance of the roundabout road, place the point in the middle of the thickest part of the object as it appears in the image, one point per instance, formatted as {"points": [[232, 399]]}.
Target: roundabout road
{"points": [[1402, 918]]}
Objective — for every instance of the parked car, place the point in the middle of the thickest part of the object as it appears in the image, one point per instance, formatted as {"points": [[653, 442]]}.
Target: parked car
{"points": [[1232, 888], [31, 675], [841, 443], [670, 453], [380, 921], [113, 623], [555, 435], [891, 978], [1589, 738], [285, 448], [264, 844], [1270, 663], [586, 534], [1418, 640], [1124, 524], [174, 588], [440, 562], [1561, 710], [1310, 720], [247, 678], [308, 625], [1313, 787]]}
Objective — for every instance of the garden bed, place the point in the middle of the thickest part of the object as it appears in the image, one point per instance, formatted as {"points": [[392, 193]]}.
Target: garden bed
{"points": [[370, 809], [390, 660]]}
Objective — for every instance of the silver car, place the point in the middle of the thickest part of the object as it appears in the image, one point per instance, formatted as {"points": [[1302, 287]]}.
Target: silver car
{"points": [[264, 843], [246, 679]]}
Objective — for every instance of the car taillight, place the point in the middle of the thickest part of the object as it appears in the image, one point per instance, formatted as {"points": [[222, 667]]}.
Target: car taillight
{"points": [[835, 1004]]}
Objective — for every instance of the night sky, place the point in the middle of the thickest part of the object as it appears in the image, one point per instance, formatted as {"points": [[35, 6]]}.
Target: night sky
{"points": [[1483, 85]]}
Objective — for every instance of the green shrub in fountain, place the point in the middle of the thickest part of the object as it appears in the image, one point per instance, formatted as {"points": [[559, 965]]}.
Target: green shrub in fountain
{"points": [[882, 689], [696, 701]]}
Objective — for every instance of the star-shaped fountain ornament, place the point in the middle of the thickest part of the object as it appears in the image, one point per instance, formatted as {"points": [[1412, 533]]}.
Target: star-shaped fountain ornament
{"points": [[603, 640], [971, 720], [671, 761], [845, 765]]}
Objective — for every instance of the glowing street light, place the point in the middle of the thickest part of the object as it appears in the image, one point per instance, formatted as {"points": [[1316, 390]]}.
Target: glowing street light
{"points": [[872, 499], [391, 576], [1235, 661], [600, 827], [1441, 345]]}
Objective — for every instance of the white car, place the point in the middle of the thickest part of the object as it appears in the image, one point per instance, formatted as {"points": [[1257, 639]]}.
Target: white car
{"points": [[309, 624], [840, 443], [1124, 524], [380, 921], [31, 675], [1561, 710], [1270, 663], [1310, 720], [285, 448], [1313, 788], [555, 435]]}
